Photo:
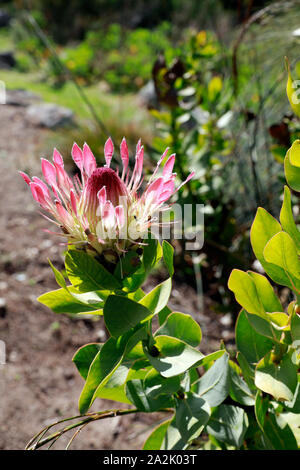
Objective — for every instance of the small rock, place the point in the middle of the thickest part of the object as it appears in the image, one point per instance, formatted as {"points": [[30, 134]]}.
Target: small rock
{"points": [[226, 334], [13, 357], [45, 244], [49, 115], [20, 97], [101, 335], [3, 309], [226, 320], [21, 277], [31, 252], [176, 293]]}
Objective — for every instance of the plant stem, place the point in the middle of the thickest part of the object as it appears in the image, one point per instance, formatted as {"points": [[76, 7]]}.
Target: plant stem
{"points": [[88, 418], [38, 441]]}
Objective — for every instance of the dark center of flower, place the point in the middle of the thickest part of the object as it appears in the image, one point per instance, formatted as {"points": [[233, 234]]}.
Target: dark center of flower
{"points": [[115, 187]]}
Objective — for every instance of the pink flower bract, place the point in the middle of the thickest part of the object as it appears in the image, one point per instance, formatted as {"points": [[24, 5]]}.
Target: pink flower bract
{"points": [[103, 210]]}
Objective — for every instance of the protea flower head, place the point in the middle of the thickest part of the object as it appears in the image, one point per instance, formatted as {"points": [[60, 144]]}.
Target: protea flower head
{"points": [[102, 210]]}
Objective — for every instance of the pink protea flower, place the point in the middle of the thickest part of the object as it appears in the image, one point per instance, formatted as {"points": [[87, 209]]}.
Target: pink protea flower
{"points": [[103, 210]]}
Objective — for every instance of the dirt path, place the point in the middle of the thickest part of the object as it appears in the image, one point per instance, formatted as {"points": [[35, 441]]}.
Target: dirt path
{"points": [[39, 382]]}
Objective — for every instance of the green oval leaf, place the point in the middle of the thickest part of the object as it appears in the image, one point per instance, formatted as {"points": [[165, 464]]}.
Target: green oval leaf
{"points": [[172, 439], [181, 326], [275, 436], [228, 424], [175, 356], [192, 414], [168, 253], [58, 276], [292, 172], [62, 301], [250, 343], [155, 440], [144, 402], [155, 384], [287, 218], [277, 379], [121, 314], [85, 356], [239, 390], [264, 227], [244, 289], [114, 389], [294, 153], [282, 251], [157, 299], [152, 253], [105, 363], [213, 386], [87, 274], [265, 292]]}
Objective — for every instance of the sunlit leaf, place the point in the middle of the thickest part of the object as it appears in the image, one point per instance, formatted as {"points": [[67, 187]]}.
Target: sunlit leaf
{"points": [[279, 379], [213, 386], [281, 251], [85, 356], [105, 363], [292, 92], [138, 396], [264, 227], [245, 292], [182, 326], [158, 297], [287, 218], [61, 301], [87, 274], [292, 173], [275, 436], [174, 356]]}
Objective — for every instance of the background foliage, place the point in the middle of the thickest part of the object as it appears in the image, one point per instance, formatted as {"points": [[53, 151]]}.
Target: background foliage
{"points": [[209, 83]]}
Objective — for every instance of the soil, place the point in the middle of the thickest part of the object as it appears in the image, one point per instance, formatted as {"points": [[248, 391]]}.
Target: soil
{"points": [[39, 383]]}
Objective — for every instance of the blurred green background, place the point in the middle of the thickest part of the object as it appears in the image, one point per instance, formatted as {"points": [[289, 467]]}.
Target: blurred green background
{"points": [[204, 77]]}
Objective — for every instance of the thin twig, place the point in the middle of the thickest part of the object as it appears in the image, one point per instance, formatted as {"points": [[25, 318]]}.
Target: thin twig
{"points": [[44, 430], [53, 442], [88, 418], [74, 435], [38, 441]]}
